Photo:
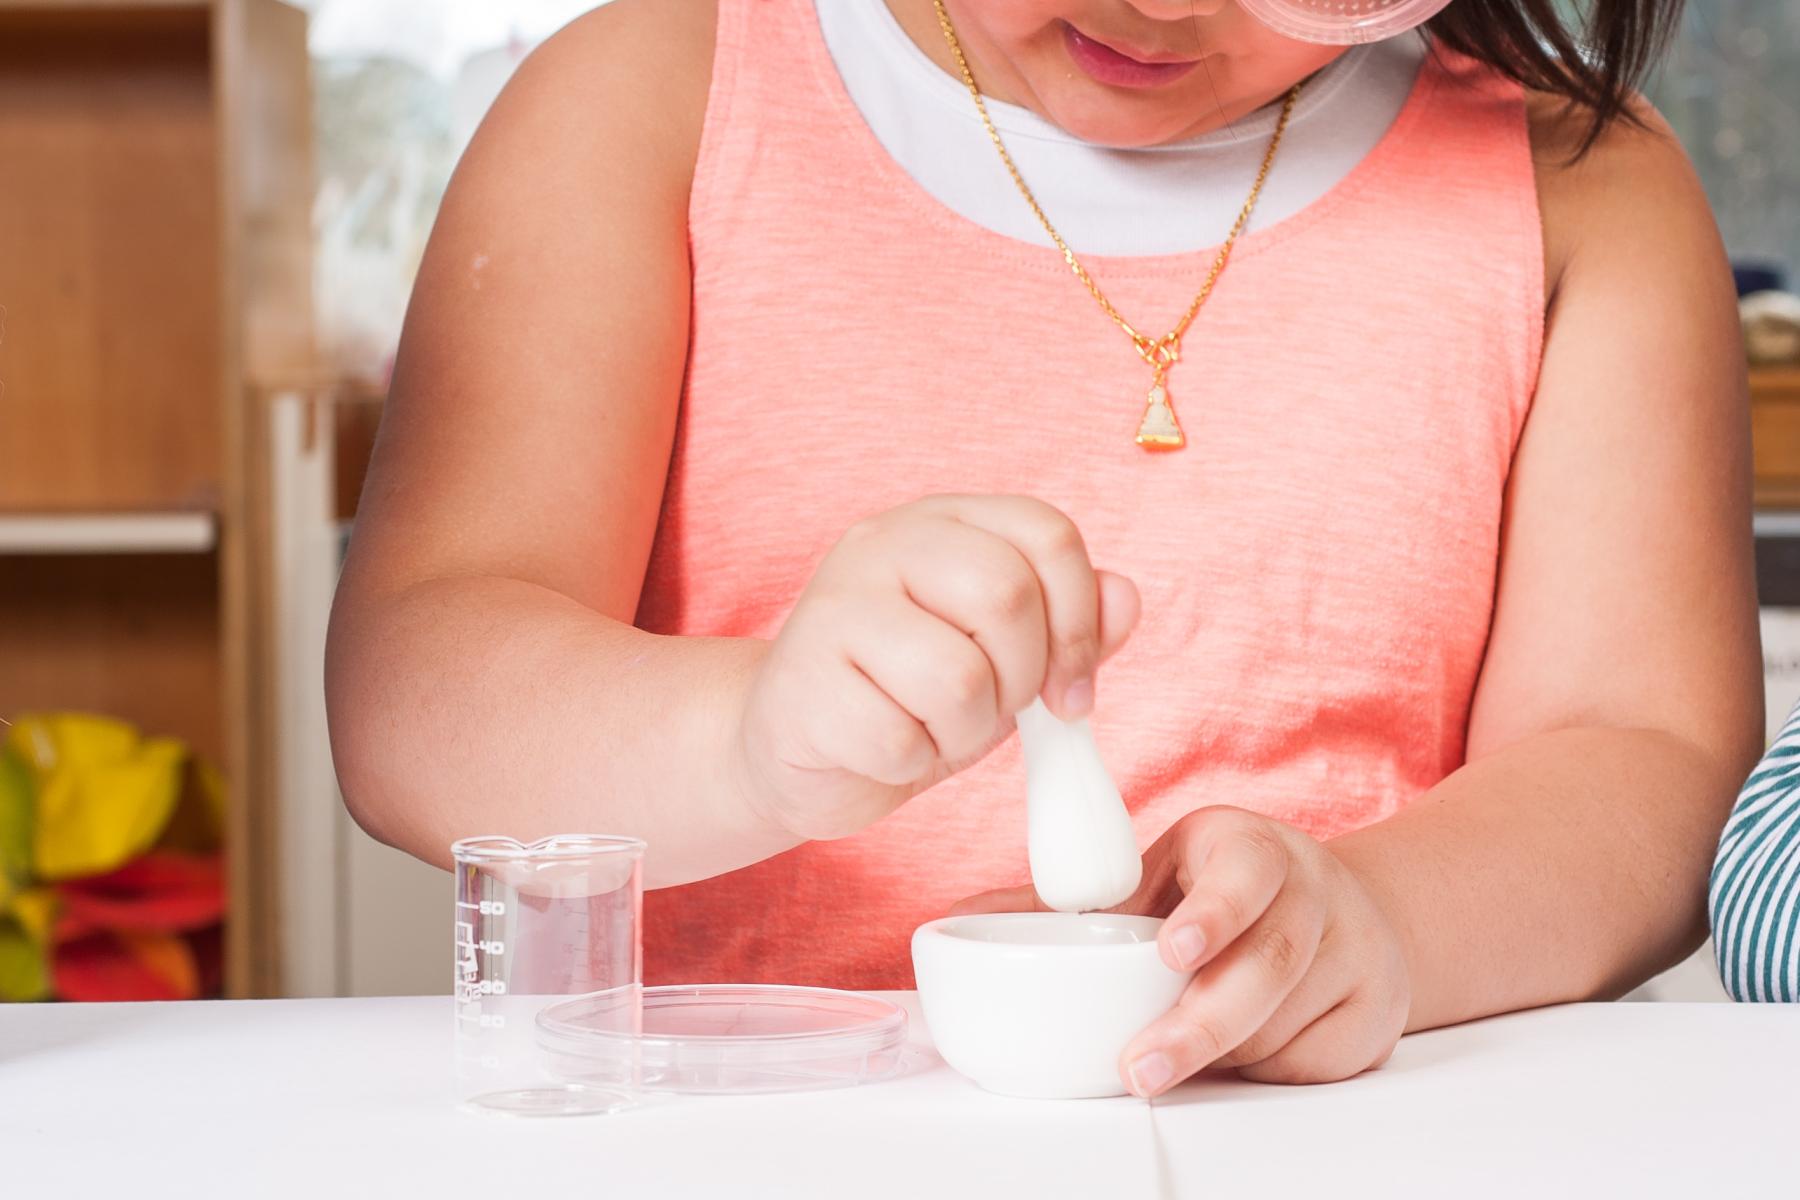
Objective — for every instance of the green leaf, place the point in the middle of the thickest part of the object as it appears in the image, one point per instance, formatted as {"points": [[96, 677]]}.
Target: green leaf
{"points": [[15, 826], [24, 972]]}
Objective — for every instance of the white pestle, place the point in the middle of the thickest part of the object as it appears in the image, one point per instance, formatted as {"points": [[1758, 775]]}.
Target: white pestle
{"points": [[1083, 853]]}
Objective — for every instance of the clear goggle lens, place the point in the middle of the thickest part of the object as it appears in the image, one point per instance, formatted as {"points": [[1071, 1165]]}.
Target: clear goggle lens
{"points": [[1342, 22]]}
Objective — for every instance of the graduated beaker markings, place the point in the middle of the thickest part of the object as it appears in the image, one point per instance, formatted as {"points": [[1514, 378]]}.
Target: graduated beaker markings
{"points": [[535, 923]]}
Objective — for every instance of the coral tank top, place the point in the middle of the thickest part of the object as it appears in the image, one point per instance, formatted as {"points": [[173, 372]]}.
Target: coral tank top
{"points": [[1317, 566]]}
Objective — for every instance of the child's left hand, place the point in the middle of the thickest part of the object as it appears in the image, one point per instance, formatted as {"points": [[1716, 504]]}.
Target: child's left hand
{"points": [[1302, 979]]}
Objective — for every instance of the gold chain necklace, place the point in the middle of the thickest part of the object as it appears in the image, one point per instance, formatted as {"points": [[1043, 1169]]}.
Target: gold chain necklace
{"points": [[1159, 430]]}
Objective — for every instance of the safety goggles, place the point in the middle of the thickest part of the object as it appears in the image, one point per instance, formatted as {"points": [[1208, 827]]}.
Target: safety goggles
{"points": [[1342, 22]]}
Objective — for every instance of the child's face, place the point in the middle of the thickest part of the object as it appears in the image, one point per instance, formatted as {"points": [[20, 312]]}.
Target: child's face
{"points": [[1072, 62]]}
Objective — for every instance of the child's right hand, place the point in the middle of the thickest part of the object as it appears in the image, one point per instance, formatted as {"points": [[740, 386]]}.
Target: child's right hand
{"points": [[922, 633]]}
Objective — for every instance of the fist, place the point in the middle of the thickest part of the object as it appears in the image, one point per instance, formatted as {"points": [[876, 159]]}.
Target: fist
{"points": [[1301, 976], [921, 634]]}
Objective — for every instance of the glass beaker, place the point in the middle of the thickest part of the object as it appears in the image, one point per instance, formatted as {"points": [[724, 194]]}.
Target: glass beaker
{"points": [[536, 923]]}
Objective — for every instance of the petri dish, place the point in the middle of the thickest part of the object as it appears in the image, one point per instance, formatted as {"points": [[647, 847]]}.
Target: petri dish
{"points": [[725, 1039], [555, 1100]]}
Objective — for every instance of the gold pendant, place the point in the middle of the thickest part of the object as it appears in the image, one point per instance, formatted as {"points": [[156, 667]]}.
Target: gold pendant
{"points": [[1159, 430]]}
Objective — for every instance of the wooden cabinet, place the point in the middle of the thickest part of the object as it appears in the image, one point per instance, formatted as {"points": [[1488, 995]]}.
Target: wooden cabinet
{"points": [[155, 191], [1775, 433]]}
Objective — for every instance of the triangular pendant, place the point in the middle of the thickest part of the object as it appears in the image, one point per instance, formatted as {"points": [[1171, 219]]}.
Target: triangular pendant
{"points": [[1159, 430]]}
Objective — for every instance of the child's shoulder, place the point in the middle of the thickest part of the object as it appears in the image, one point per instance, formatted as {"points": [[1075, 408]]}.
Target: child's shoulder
{"points": [[651, 39], [1628, 190], [626, 82], [584, 163]]}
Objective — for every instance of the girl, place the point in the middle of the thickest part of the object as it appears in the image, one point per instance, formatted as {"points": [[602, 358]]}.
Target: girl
{"points": [[754, 454]]}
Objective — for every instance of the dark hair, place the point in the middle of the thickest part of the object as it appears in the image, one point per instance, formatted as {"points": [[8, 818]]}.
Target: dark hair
{"points": [[1598, 63]]}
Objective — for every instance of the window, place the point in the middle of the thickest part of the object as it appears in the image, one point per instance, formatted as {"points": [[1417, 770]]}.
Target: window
{"points": [[398, 89], [1731, 89]]}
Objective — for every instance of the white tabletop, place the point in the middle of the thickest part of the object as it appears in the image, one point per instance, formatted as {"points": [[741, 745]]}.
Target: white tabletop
{"points": [[343, 1098]]}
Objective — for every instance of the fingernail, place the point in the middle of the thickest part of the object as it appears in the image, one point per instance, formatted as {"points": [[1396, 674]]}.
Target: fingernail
{"points": [[1078, 700], [1189, 944], [1152, 1073]]}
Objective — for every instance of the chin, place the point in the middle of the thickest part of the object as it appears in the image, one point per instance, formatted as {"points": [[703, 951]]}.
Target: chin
{"points": [[1105, 117]]}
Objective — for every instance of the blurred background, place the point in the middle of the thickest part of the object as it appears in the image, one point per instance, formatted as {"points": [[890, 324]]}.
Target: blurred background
{"points": [[210, 216]]}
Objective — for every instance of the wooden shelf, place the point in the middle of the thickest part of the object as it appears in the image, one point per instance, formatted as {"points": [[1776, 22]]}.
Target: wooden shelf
{"points": [[133, 636], [155, 263], [1774, 382], [108, 533], [1775, 435]]}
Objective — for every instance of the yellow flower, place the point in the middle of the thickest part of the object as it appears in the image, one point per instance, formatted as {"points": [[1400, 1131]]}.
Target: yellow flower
{"points": [[103, 793]]}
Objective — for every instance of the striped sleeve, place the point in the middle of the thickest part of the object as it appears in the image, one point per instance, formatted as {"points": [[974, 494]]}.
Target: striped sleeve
{"points": [[1754, 900]]}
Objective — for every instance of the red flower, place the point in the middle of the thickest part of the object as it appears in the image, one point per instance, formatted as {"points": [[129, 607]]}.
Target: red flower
{"points": [[142, 932]]}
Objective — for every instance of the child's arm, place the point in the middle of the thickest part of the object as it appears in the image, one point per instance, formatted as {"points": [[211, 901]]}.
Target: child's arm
{"points": [[1755, 897], [474, 679], [1618, 709], [483, 672], [1620, 701]]}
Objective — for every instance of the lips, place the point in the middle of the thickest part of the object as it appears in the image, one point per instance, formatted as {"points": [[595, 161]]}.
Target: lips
{"points": [[1119, 68]]}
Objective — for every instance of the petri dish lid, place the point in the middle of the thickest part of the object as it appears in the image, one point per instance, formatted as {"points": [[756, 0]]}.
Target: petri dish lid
{"points": [[727, 1038]]}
